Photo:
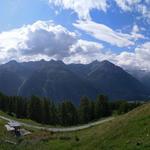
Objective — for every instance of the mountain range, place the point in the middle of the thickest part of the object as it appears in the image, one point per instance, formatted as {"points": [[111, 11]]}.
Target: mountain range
{"points": [[60, 81]]}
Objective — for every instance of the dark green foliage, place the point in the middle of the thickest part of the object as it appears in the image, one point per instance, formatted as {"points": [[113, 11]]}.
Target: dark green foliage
{"points": [[92, 110], [35, 109], [66, 113], [102, 107], [3, 102], [54, 114], [85, 110], [20, 107], [46, 112]]}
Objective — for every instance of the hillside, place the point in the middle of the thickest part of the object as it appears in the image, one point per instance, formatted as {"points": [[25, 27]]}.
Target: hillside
{"points": [[126, 132], [59, 81], [55, 80], [142, 75]]}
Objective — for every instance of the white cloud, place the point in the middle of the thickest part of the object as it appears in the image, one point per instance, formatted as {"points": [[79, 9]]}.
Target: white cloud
{"points": [[106, 34], [143, 51], [135, 29], [84, 52], [140, 58], [49, 39], [127, 5], [45, 40], [144, 10], [40, 38], [135, 34], [81, 7], [85, 47], [140, 6]]}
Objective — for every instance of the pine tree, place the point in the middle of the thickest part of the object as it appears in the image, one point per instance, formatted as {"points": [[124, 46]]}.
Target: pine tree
{"points": [[46, 111], [54, 113], [35, 109], [20, 107], [123, 107], [84, 110], [68, 113], [92, 110], [101, 107], [11, 105]]}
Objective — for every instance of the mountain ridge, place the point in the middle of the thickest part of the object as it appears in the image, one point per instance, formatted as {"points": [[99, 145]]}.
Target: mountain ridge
{"points": [[61, 81]]}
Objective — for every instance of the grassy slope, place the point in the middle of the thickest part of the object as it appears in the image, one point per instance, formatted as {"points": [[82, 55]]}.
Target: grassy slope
{"points": [[127, 132]]}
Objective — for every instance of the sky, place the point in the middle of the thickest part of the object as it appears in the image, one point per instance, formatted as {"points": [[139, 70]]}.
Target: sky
{"points": [[76, 31]]}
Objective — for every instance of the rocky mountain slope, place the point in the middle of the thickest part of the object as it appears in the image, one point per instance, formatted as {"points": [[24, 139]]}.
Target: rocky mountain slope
{"points": [[60, 81]]}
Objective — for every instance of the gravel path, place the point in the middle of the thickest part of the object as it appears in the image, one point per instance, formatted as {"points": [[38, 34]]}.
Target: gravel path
{"points": [[67, 129]]}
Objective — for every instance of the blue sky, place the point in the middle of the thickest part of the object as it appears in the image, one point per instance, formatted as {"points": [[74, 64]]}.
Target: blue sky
{"points": [[117, 30]]}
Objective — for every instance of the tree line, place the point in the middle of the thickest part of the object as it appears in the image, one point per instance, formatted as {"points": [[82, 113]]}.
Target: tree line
{"points": [[45, 111]]}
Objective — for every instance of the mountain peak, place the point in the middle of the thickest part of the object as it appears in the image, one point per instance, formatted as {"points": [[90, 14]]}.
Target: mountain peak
{"points": [[12, 62], [52, 61], [96, 61], [61, 81], [103, 64], [42, 60], [106, 62]]}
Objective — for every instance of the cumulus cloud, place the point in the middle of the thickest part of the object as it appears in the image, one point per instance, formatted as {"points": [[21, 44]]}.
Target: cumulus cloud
{"points": [[81, 7], [40, 38], [49, 39], [143, 51], [106, 34], [84, 52], [139, 59], [45, 40]]}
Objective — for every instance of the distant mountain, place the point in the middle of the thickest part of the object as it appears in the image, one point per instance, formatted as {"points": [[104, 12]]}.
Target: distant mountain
{"points": [[60, 81], [57, 81], [142, 75], [111, 80]]}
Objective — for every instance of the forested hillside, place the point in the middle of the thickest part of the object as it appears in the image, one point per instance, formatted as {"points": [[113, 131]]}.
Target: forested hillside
{"points": [[45, 111]]}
